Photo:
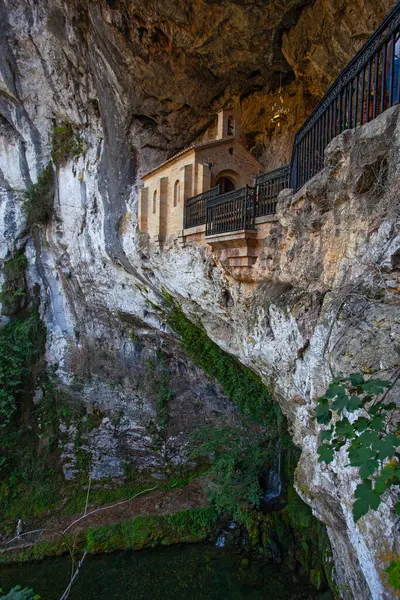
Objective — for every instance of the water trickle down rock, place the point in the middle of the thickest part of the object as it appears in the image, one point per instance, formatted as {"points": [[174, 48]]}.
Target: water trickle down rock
{"points": [[273, 485]]}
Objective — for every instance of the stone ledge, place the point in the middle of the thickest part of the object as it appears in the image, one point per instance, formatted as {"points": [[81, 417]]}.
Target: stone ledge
{"points": [[193, 230], [232, 238]]}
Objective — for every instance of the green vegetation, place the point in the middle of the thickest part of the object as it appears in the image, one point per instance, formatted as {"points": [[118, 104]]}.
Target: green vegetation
{"points": [[12, 295], [192, 525], [244, 387], [36, 552], [292, 534], [65, 143], [17, 593], [39, 198], [21, 345], [370, 442], [393, 572], [240, 457], [371, 445], [161, 377], [241, 454]]}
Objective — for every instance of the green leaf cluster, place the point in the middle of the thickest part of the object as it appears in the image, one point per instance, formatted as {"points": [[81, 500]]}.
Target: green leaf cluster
{"points": [[21, 345], [370, 444], [39, 198], [65, 143], [393, 571], [12, 295], [239, 457]]}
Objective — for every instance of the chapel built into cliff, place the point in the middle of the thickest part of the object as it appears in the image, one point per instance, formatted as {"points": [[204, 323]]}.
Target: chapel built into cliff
{"points": [[179, 193]]}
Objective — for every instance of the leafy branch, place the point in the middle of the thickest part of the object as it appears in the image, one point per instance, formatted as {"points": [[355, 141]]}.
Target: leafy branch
{"points": [[359, 419]]}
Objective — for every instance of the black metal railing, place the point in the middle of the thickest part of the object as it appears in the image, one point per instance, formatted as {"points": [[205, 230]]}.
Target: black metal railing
{"points": [[268, 186], [364, 89], [231, 211], [195, 208]]}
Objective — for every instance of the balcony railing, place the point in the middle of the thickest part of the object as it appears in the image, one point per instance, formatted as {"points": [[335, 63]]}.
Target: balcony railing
{"points": [[195, 208], [364, 89], [231, 211], [268, 186]]}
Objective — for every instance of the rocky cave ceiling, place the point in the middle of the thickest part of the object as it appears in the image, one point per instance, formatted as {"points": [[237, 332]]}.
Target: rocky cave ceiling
{"points": [[159, 70]]}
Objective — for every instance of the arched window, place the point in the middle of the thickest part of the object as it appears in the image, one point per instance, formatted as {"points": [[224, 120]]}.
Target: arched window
{"points": [[155, 202], [177, 192]]}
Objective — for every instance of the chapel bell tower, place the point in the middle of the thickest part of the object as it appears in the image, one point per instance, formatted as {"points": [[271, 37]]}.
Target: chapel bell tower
{"points": [[228, 124]]}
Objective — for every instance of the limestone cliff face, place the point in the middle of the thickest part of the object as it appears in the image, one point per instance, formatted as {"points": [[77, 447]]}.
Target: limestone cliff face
{"points": [[139, 81]]}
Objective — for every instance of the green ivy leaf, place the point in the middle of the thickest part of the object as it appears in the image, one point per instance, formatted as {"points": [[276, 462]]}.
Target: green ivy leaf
{"points": [[384, 479], [366, 498], [368, 438], [323, 413], [377, 422], [326, 436], [361, 424], [340, 403], [377, 408], [385, 447], [393, 571], [326, 453], [376, 386], [335, 390], [353, 404], [368, 468], [360, 455], [398, 508], [345, 428], [356, 379]]}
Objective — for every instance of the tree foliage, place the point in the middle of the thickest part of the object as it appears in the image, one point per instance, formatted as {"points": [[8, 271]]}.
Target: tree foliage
{"points": [[360, 420], [239, 457], [21, 344]]}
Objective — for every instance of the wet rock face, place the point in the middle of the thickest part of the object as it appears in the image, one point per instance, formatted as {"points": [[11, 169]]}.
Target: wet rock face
{"points": [[138, 81]]}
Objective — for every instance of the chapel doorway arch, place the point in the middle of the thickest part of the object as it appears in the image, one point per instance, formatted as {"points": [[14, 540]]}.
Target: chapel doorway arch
{"points": [[226, 184]]}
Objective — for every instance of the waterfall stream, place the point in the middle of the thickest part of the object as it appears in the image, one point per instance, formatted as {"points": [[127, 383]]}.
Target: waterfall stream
{"points": [[273, 482]]}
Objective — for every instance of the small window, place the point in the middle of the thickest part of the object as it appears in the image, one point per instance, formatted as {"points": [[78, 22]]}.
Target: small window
{"points": [[177, 192], [230, 126], [155, 202]]}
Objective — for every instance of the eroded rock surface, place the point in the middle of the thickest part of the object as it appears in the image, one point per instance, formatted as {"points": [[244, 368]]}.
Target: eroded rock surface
{"points": [[139, 81]]}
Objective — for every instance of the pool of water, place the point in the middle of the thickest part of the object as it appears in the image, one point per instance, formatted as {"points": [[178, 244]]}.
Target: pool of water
{"points": [[195, 572]]}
